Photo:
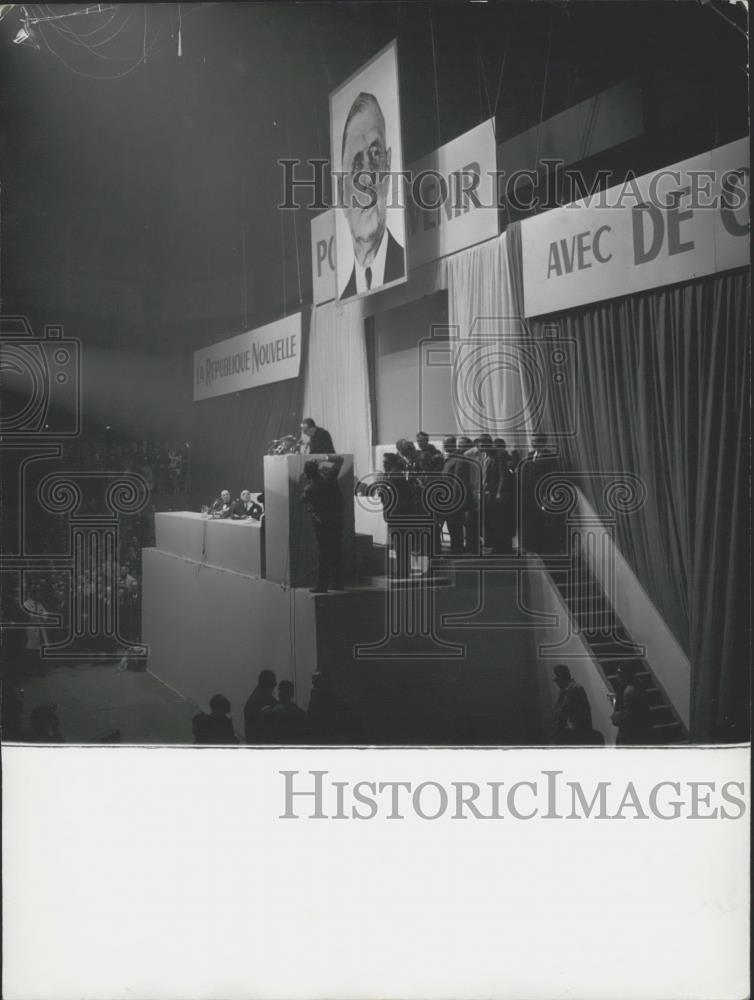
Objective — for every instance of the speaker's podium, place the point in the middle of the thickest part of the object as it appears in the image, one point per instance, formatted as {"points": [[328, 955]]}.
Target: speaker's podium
{"points": [[219, 602], [290, 543]]}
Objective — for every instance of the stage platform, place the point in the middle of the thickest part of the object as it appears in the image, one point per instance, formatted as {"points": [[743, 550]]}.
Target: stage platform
{"points": [[447, 662], [229, 544]]}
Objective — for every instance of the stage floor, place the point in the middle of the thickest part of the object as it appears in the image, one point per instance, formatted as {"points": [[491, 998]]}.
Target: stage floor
{"points": [[94, 699], [468, 678]]}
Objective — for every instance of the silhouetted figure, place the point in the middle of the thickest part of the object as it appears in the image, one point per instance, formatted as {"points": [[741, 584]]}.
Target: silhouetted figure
{"points": [[13, 659], [572, 715], [398, 506], [408, 454], [324, 710], [324, 501], [469, 471], [315, 440], [215, 729], [44, 725], [285, 724], [501, 450], [428, 457], [457, 475], [542, 527], [490, 493], [631, 714], [12, 703], [14, 651], [260, 698]]}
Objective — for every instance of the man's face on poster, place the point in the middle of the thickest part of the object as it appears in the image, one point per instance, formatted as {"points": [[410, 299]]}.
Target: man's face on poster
{"points": [[366, 165]]}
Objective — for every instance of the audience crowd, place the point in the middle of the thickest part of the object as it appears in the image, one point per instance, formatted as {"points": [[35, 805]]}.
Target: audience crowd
{"points": [[278, 721], [163, 464]]}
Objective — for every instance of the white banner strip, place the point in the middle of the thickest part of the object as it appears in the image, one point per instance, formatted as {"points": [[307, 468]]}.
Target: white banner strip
{"points": [[270, 353]]}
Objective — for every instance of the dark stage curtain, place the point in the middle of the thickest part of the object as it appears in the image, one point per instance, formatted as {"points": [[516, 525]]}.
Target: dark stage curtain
{"points": [[662, 391], [231, 433]]}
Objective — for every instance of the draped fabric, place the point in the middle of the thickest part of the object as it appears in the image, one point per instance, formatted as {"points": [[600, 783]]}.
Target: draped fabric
{"points": [[485, 303], [231, 433], [662, 392], [336, 382]]}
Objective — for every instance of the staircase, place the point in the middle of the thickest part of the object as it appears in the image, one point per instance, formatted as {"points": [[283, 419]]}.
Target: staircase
{"points": [[595, 620]]}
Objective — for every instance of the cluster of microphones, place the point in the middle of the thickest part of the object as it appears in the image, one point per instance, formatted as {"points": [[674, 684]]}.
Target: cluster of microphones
{"points": [[287, 445]]}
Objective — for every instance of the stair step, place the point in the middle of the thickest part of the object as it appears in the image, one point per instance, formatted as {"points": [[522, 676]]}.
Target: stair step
{"points": [[669, 732], [611, 643], [605, 633], [604, 609], [611, 672], [614, 651], [666, 727]]}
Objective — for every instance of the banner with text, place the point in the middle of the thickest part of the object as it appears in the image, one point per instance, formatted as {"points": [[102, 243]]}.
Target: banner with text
{"points": [[271, 353], [675, 224], [450, 200]]}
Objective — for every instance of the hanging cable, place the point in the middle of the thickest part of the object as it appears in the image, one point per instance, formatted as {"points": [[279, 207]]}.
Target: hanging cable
{"points": [[245, 273], [710, 6], [58, 22], [282, 254], [295, 227], [480, 57], [500, 82], [73, 39], [544, 91], [437, 89], [136, 61], [479, 83], [94, 76]]}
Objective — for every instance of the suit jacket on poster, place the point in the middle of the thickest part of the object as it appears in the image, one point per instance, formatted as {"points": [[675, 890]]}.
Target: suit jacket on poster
{"points": [[395, 267]]}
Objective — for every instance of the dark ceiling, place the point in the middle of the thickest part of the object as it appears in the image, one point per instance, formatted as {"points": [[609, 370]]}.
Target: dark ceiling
{"points": [[142, 210]]}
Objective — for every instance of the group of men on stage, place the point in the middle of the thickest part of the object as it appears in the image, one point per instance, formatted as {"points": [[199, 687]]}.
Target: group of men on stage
{"points": [[494, 495], [491, 495], [242, 509]]}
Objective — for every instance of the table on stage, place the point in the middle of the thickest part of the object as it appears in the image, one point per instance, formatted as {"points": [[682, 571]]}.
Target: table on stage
{"points": [[233, 545]]}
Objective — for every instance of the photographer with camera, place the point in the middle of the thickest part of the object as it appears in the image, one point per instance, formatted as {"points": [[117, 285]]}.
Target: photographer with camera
{"points": [[324, 501]]}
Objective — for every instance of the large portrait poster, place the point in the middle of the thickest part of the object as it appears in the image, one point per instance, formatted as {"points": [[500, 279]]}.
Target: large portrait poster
{"points": [[367, 164]]}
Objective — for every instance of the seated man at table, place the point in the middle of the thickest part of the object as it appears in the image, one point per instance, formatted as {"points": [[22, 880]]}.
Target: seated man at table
{"points": [[221, 506], [245, 508]]}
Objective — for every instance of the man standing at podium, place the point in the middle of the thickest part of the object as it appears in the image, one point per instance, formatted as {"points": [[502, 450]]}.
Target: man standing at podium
{"points": [[324, 501], [315, 440]]}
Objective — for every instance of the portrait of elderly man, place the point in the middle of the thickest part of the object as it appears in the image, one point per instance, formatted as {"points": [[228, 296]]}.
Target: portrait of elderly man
{"points": [[379, 258]]}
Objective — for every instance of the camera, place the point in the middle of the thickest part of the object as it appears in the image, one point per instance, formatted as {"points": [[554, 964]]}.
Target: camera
{"points": [[41, 382], [501, 380]]}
